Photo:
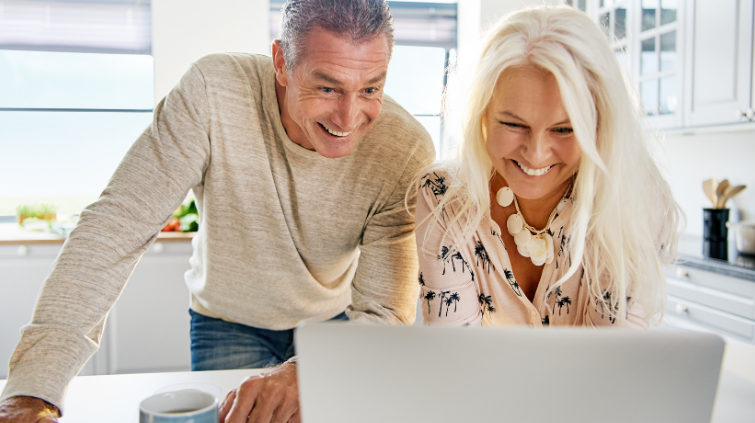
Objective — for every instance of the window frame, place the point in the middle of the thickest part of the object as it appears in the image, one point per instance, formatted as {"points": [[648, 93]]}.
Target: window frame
{"points": [[450, 46]]}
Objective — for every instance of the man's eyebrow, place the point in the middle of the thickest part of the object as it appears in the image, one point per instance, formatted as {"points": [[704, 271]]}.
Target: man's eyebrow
{"points": [[378, 78], [327, 78]]}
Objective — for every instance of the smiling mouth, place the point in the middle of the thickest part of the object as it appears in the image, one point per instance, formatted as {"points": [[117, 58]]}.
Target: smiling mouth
{"points": [[335, 133], [533, 172]]}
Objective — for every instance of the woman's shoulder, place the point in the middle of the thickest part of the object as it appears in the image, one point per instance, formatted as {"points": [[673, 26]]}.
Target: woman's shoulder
{"points": [[437, 181]]}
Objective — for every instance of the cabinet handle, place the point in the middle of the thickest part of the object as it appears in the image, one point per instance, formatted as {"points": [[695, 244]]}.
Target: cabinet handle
{"points": [[746, 113], [158, 247], [681, 308], [22, 250], [681, 273]]}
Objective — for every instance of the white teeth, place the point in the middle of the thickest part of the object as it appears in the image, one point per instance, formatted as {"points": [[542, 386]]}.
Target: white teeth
{"points": [[534, 172], [336, 133]]}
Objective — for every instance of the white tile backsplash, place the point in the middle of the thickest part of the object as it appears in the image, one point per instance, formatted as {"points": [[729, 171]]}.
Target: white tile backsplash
{"points": [[688, 160]]}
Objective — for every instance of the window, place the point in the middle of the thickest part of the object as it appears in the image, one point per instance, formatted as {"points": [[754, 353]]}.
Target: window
{"points": [[645, 36], [76, 91], [613, 18], [578, 4], [659, 67], [425, 46]]}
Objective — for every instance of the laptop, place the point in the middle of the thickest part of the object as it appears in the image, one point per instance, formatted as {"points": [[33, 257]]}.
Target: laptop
{"points": [[358, 373]]}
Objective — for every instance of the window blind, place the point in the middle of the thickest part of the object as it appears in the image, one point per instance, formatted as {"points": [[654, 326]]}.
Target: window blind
{"points": [[414, 23], [91, 26]]}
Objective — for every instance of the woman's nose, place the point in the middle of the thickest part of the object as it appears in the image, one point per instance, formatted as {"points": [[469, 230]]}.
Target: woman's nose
{"points": [[537, 148]]}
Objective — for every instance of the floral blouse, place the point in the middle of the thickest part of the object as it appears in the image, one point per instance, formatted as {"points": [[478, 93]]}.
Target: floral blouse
{"points": [[472, 283]]}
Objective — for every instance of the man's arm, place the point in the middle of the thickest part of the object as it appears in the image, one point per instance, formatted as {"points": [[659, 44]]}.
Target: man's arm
{"points": [[167, 160], [385, 287]]}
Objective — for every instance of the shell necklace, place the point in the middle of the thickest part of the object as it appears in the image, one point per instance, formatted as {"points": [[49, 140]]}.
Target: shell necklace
{"points": [[530, 242]]}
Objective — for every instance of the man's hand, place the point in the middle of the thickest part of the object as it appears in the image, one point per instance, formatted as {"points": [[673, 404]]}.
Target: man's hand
{"points": [[27, 410], [270, 397]]}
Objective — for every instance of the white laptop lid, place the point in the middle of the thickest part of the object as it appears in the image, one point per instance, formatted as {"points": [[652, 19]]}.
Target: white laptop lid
{"points": [[357, 373]]}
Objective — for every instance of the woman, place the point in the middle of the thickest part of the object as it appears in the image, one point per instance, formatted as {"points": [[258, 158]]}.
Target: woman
{"points": [[552, 211]]}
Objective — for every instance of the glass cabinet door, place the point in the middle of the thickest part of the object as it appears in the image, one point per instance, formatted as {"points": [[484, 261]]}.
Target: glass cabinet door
{"points": [[659, 70]]}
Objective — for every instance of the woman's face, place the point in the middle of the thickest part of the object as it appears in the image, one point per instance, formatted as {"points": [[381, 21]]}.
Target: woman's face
{"points": [[529, 136]]}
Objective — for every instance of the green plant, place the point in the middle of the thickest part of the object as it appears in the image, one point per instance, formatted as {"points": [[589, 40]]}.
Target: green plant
{"points": [[188, 217], [39, 211]]}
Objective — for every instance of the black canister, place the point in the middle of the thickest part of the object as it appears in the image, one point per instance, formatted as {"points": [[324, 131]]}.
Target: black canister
{"points": [[715, 233]]}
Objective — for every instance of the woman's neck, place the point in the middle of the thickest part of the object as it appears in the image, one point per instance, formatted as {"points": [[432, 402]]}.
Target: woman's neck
{"points": [[535, 211]]}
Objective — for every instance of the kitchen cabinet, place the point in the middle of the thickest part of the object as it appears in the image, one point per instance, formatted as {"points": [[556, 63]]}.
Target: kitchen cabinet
{"points": [[691, 62], [707, 301], [718, 63], [148, 328]]}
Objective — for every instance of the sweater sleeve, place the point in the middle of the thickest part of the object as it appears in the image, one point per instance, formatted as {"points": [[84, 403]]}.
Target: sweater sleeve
{"points": [[384, 289], [168, 159], [447, 281]]}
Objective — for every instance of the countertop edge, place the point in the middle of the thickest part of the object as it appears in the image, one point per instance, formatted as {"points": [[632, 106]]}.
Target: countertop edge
{"points": [[711, 265], [162, 237]]}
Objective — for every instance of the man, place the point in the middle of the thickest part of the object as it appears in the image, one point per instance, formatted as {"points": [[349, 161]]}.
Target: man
{"points": [[300, 168]]}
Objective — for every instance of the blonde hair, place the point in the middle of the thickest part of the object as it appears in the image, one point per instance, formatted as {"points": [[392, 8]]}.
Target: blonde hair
{"points": [[622, 202]]}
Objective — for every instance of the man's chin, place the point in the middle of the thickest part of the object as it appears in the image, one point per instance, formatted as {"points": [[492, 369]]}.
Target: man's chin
{"points": [[333, 149]]}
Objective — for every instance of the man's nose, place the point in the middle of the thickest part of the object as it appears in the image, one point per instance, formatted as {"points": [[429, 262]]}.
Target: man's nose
{"points": [[347, 115]]}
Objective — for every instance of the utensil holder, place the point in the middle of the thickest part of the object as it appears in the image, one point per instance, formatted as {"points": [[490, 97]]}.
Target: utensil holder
{"points": [[715, 233]]}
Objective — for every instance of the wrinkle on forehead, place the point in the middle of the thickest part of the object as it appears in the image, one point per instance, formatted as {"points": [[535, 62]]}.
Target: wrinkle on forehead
{"points": [[364, 45]]}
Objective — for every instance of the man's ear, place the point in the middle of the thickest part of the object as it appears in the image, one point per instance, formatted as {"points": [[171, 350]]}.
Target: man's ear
{"points": [[279, 63]]}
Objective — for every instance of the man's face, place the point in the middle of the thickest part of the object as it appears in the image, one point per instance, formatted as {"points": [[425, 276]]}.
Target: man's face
{"points": [[335, 92]]}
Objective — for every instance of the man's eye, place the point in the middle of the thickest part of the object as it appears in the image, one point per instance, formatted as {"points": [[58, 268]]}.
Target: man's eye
{"points": [[371, 90], [327, 90]]}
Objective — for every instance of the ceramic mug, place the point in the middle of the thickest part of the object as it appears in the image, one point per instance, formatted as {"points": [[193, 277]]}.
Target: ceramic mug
{"points": [[184, 406]]}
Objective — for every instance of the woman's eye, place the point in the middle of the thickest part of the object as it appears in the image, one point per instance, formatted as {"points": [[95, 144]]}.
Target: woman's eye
{"points": [[512, 125], [563, 131]]}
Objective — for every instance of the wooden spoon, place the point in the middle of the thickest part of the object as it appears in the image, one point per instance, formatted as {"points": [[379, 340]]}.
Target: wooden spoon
{"points": [[709, 187], [720, 192], [729, 193]]}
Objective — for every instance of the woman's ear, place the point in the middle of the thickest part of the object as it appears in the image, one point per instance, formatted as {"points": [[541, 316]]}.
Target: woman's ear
{"points": [[484, 127]]}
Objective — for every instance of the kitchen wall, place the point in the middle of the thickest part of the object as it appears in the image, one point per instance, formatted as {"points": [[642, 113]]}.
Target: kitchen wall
{"points": [[185, 30], [688, 160]]}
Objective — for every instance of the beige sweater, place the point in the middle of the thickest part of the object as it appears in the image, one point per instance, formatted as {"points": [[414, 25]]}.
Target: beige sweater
{"points": [[285, 235]]}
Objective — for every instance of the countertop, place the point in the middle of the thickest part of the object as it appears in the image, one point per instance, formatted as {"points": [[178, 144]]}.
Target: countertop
{"points": [[13, 234], [738, 265]]}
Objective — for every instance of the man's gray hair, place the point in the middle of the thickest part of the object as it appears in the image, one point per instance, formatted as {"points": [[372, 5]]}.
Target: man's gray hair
{"points": [[356, 20]]}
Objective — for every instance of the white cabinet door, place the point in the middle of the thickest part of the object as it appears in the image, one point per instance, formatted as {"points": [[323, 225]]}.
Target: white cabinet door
{"points": [[719, 61], [148, 328]]}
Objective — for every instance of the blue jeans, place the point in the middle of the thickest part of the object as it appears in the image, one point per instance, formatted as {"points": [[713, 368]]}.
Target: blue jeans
{"points": [[220, 345]]}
